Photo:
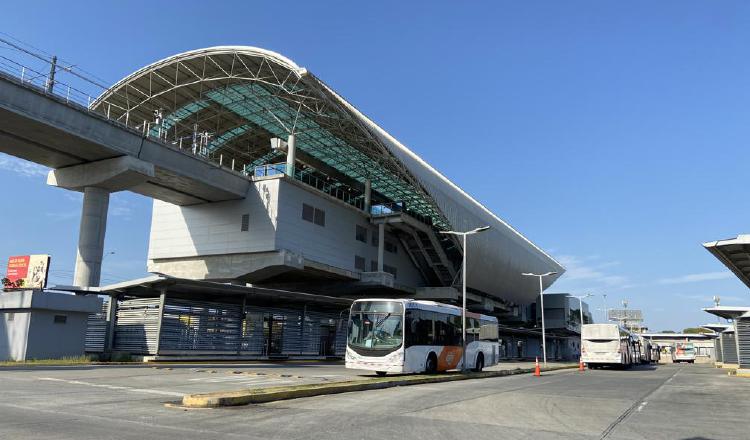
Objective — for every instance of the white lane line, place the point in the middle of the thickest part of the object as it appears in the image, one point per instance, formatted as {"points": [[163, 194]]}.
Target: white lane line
{"points": [[640, 407], [113, 387]]}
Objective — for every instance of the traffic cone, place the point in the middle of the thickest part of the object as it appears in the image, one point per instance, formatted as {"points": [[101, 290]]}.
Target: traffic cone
{"points": [[537, 370], [580, 365]]}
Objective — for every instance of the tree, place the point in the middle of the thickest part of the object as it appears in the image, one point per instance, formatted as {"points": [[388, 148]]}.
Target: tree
{"points": [[696, 330], [668, 331]]}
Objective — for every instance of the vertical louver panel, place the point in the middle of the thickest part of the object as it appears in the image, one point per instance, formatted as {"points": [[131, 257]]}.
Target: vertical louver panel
{"points": [[728, 348], [96, 330], [743, 342], [200, 326], [137, 325]]}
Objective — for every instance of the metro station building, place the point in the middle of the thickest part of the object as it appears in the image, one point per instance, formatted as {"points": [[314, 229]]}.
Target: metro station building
{"points": [[335, 209]]}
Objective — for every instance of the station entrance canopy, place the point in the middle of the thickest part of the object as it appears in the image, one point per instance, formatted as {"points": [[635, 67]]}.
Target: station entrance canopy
{"points": [[227, 103], [735, 254]]}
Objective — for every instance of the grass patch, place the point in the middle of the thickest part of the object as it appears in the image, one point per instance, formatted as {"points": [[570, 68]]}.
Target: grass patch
{"points": [[67, 360]]}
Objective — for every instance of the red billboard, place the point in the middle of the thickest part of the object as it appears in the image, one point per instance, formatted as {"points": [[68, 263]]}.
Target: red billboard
{"points": [[27, 271]]}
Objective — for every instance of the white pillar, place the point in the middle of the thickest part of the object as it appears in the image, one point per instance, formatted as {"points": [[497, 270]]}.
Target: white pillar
{"points": [[381, 245], [290, 156], [91, 237], [368, 195]]}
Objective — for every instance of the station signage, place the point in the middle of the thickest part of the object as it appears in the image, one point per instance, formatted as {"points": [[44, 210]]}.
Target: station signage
{"points": [[27, 271]]}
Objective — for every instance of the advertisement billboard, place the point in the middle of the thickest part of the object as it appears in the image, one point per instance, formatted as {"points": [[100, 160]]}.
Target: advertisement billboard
{"points": [[27, 271]]}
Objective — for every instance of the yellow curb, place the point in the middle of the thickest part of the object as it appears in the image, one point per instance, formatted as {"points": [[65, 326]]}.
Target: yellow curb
{"points": [[265, 395]]}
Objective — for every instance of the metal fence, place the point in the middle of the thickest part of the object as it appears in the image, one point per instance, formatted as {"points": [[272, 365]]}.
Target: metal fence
{"points": [[728, 348], [96, 330], [190, 327], [743, 342]]}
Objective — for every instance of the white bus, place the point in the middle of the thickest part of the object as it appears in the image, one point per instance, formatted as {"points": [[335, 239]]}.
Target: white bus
{"points": [[411, 336], [608, 344], [683, 352]]}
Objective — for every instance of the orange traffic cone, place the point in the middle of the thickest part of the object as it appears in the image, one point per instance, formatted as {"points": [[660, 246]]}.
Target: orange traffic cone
{"points": [[580, 365], [537, 370]]}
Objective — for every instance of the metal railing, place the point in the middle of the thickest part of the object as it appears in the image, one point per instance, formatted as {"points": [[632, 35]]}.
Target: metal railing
{"points": [[65, 84]]}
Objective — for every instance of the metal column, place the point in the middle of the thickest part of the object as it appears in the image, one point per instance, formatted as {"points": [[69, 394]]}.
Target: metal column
{"points": [[291, 155], [381, 245]]}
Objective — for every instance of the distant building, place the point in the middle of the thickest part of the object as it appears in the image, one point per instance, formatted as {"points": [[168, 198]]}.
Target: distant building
{"points": [[562, 319]]}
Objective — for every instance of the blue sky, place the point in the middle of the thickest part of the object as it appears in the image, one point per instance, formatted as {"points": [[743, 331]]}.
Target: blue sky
{"points": [[612, 134]]}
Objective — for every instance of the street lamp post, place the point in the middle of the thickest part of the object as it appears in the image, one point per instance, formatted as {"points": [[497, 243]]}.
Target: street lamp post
{"points": [[541, 298], [463, 300]]}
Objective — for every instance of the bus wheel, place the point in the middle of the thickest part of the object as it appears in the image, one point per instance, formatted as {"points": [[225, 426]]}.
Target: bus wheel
{"points": [[479, 363], [381, 373], [430, 366]]}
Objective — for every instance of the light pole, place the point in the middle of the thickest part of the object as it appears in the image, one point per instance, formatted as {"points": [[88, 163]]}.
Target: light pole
{"points": [[541, 298], [580, 308], [463, 300]]}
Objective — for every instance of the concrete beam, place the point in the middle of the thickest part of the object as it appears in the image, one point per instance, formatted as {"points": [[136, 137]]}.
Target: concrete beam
{"points": [[45, 129], [113, 175], [249, 267]]}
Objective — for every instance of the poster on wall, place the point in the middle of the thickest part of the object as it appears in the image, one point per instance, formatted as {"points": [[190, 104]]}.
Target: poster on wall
{"points": [[27, 272]]}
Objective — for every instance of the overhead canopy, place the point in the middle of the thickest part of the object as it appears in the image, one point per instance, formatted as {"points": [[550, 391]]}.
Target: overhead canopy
{"points": [[151, 286], [228, 102], [716, 327], [727, 312], [735, 254], [678, 335]]}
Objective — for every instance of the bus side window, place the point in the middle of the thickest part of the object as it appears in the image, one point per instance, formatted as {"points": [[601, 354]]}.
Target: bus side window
{"points": [[426, 328], [411, 326]]}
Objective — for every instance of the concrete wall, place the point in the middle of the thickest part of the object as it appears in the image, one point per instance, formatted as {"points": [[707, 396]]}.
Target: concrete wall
{"points": [[50, 340], [28, 329], [215, 228], [274, 206], [335, 244], [13, 331]]}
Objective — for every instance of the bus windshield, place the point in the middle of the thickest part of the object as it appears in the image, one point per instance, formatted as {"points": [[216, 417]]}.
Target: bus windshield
{"points": [[376, 325]]}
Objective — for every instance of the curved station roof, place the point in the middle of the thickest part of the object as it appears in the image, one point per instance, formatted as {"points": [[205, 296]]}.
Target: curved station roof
{"points": [[226, 103]]}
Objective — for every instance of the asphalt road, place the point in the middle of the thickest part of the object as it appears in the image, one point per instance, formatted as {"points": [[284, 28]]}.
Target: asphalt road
{"points": [[664, 402]]}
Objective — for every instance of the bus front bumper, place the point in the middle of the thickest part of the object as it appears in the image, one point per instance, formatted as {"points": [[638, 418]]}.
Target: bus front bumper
{"points": [[391, 363]]}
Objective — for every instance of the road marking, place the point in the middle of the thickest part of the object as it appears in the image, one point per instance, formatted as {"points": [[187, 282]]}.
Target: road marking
{"points": [[632, 408], [113, 387]]}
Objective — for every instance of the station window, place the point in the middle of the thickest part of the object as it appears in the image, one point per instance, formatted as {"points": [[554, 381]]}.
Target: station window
{"points": [[320, 217], [245, 226], [375, 236], [60, 319], [313, 215], [359, 263], [374, 266], [391, 247], [361, 234], [308, 212]]}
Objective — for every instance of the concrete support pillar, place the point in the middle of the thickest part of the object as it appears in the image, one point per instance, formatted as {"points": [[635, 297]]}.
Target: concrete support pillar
{"points": [[290, 156], [368, 195], [381, 245], [91, 237]]}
